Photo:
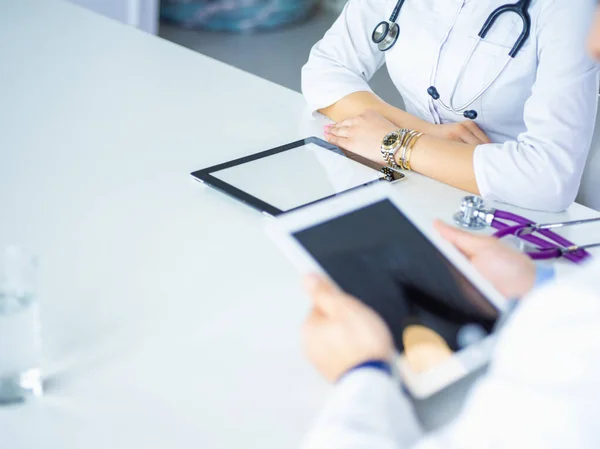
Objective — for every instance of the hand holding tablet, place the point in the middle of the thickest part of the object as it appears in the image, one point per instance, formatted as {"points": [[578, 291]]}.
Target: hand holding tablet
{"points": [[397, 264], [341, 333]]}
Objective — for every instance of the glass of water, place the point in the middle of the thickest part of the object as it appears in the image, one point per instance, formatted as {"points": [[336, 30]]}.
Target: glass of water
{"points": [[20, 343]]}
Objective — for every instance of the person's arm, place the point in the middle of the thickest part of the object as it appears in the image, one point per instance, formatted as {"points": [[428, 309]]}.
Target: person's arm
{"points": [[542, 388], [359, 102], [446, 161], [443, 159], [366, 410], [335, 78], [351, 346], [344, 61], [542, 168]]}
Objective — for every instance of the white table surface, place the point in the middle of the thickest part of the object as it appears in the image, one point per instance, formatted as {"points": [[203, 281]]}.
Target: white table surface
{"points": [[170, 320]]}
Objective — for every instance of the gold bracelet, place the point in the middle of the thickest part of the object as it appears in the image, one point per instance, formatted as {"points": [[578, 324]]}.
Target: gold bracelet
{"points": [[403, 148], [405, 145], [408, 145], [410, 150]]}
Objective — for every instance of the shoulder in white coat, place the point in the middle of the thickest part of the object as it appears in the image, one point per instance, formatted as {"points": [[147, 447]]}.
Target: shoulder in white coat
{"points": [[345, 59], [540, 112], [541, 391]]}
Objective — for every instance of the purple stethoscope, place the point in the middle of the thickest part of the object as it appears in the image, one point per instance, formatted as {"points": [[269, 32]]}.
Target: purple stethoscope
{"points": [[473, 215]]}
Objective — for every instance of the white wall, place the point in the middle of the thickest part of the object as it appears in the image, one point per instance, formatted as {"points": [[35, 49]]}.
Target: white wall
{"points": [[141, 14]]}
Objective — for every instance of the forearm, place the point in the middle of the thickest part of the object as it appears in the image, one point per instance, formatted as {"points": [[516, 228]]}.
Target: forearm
{"points": [[359, 102], [445, 160]]}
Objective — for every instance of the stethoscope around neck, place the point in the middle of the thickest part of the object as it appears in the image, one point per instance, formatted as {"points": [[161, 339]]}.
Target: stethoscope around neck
{"points": [[386, 34]]}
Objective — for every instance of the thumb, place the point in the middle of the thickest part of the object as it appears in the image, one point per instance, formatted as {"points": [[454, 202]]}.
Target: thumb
{"points": [[467, 243], [327, 298]]}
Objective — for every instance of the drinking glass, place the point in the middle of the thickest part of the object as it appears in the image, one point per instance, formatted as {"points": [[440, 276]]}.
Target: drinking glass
{"points": [[20, 343]]}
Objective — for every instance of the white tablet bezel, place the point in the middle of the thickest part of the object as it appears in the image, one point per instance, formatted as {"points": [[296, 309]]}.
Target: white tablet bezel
{"points": [[420, 385]]}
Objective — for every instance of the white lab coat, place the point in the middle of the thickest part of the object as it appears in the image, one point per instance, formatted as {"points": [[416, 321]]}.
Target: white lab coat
{"points": [[541, 392], [539, 114]]}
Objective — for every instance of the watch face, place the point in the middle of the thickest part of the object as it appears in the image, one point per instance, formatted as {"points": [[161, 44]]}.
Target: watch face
{"points": [[391, 139]]}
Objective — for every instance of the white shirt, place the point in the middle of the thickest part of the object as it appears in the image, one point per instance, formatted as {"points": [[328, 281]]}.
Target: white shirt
{"points": [[542, 390], [539, 113]]}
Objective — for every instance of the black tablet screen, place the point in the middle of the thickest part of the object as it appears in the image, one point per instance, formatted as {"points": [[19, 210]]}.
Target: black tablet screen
{"points": [[376, 254]]}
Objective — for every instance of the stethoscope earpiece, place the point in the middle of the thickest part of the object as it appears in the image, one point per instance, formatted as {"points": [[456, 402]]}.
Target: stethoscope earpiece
{"points": [[470, 115], [433, 93]]}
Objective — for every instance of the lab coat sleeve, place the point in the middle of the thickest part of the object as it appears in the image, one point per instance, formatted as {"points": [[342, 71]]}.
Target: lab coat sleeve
{"points": [[345, 59], [541, 390], [366, 410], [543, 168]]}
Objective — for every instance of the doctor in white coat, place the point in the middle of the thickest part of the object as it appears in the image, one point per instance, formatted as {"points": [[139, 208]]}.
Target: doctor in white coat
{"points": [[533, 127], [541, 391]]}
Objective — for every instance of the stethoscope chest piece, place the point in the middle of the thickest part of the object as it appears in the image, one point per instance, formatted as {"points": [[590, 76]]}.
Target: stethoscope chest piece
{"points": [[385, 35], [469, 215]]}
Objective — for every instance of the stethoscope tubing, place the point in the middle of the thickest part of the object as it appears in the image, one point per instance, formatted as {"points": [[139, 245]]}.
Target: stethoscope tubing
{"points": [[544, 245], [396, 11], [450, 107], [556, 253], [504, 230], [521, 9], [474, 215], [546, 232]]}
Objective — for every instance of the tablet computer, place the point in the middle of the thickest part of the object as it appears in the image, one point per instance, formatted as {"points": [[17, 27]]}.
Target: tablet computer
{"points": [[394, 261], [286, 178]]}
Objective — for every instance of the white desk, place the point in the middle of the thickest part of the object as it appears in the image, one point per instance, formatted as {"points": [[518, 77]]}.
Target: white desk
{"points": [[170, 320]]}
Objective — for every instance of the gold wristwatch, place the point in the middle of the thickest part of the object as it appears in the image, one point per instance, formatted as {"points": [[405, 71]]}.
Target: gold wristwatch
{"points": [[390, 144]]}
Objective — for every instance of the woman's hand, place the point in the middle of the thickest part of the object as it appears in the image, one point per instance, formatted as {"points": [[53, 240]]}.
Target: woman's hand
{"points": [[341, 332], [512, 273], [466, 132], [361, 134]]}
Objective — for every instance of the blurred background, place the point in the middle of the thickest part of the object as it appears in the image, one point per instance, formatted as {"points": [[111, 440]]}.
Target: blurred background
{"points": [[269, 38]]}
